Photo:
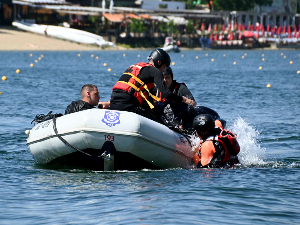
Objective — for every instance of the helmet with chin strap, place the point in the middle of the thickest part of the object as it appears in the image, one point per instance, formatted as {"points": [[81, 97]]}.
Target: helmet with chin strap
{"points": [[159, 57]]}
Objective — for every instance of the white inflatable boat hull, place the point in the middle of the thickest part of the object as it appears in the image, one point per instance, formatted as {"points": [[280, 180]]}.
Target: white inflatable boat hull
{"points": [[139, 138]]}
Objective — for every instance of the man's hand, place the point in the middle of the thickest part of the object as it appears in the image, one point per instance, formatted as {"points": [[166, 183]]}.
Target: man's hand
{"points": [[188, 101]]}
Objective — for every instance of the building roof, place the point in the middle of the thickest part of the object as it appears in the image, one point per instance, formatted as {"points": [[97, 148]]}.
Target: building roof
{"points": [[38, 2], [133, 16], [114, 17]]}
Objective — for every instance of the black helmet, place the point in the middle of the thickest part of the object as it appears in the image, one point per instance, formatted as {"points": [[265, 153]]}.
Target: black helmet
{"points": [[168, 70], [203, 122], [161, 55]]}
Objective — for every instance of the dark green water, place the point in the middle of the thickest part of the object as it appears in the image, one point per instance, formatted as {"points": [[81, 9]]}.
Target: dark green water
{"points": [[263, 190]]}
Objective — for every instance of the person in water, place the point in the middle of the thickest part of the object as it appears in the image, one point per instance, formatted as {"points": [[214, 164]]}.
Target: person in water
{"points": [[90, 98], [176, 114], [136, 86], [218, 147]]}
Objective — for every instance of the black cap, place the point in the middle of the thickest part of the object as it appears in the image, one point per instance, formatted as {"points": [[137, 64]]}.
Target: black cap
{"points": [[168, 70], [159, 55]]}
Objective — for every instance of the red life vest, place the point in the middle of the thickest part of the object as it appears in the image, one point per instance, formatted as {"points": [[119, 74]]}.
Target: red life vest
{"points": [[130, 80], [229, 147]]}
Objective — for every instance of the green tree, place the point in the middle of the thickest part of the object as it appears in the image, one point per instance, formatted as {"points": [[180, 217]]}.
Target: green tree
{"points": [[190, 27], [137, 26], [298, 6], [239, 5], [172, 28], [163, 27]]}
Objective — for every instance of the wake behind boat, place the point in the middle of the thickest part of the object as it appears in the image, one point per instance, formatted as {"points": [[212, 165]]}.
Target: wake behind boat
{"points": [[65, 33], [108, 140]]}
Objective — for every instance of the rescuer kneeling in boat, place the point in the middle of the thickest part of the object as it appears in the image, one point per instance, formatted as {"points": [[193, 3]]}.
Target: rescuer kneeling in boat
{"points": [[217, 148], [174, 114], [90, 98], [136, 86]]}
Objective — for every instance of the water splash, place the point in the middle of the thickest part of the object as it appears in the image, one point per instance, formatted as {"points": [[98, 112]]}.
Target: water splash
{"points": [[251, 152]]}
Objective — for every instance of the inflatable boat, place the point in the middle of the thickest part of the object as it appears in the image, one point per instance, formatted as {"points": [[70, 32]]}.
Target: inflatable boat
{"points": [[108, 140]]}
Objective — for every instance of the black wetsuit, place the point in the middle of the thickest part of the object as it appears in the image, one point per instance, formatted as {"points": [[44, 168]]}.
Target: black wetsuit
{"points": [[174, 113], [77, 106], [126, 101]]}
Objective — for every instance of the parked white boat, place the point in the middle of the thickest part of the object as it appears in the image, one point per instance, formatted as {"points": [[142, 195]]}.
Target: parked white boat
{"points": [[108, 140], [65, 33], [171, 48], [170, 45]]}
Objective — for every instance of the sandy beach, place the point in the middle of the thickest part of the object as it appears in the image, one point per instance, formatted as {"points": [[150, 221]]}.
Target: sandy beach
{"points": [[12, 39]]}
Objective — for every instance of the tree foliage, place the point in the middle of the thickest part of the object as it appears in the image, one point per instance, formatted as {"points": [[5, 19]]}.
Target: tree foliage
{"points": [[137, 26], [239, 5]]}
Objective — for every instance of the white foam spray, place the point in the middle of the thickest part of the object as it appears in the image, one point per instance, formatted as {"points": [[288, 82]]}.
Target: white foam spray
{"points": [[251, 152]]}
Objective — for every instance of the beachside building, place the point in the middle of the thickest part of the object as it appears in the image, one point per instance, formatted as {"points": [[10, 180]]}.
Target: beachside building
{"points": [[6, 12]]}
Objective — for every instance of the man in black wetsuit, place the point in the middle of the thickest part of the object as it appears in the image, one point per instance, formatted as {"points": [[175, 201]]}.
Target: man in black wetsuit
{"points": [[176, 114], [133, 91], [90, 98]]}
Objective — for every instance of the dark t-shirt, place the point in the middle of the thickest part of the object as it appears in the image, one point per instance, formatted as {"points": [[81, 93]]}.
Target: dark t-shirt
{"points": [[77, 106], [175, 114]]}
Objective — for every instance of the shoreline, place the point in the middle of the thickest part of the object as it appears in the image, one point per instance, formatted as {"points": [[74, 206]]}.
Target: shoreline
{"points": [[13, 39]]}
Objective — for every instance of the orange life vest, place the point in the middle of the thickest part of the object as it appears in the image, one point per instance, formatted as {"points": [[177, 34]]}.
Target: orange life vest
{"points": [[229, 147], [130, 80]]}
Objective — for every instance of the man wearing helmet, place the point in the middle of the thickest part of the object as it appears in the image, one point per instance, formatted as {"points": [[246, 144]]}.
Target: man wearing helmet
{"points": [[217, 148], [176, 114], [133, 91]]}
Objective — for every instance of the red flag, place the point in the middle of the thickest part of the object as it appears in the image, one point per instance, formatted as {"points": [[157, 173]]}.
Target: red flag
{"points": [[211, 36], [257, 35], [279, 30], [284, 29], [235, 26], [240, 27], [216, 27], [216, 37], [271, 35], [295, 31], [223, 27], [209, 28], [268, 28], [220, 37], [202, 27], [229, 26], [289, 29], [230, 36]]}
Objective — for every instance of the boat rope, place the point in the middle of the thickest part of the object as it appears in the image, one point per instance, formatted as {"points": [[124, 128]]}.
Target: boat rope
{"points": [[64, 141], [105, 155]]}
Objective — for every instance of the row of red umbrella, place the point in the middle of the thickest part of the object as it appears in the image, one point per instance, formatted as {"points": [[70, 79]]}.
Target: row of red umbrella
{"points": [[247, 33], [261, 28]]}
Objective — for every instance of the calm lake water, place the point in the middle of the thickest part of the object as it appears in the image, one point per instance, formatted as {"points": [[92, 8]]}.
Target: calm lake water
{"points": [[264, 189]]}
